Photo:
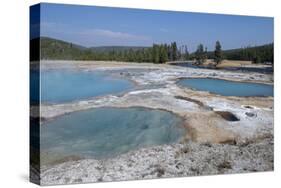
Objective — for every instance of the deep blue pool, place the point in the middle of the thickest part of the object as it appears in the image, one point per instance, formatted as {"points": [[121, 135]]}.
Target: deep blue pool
{"points": [[227, 88], [107, 132], [68, 85]]}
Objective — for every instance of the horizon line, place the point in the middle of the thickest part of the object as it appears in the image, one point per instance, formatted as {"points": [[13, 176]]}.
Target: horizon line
{"points": [[75, 43]]}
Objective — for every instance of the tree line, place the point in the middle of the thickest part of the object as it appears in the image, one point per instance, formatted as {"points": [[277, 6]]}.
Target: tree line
{"points": [[158, 53], [202, 54], [256, 54]]}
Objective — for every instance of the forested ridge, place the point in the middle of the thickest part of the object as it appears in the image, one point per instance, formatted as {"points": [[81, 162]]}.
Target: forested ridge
{"points": [[53, 49], [257, 54]]}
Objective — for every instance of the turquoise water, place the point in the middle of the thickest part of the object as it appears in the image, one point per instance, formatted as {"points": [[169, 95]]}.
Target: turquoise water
{"points": [[67, 85], [107, 132], [228, 88]]}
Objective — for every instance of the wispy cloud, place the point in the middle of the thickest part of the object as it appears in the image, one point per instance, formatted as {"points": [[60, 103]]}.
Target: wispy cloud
{"points": [[113, 34], [93, 36]]}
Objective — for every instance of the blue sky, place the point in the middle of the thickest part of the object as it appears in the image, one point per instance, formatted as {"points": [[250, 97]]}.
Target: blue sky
{"points": [[101, 26]]}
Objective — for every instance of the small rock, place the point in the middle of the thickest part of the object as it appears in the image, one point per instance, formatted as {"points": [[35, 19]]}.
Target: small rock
{"points": [[224, 165], [79, 180], [248, 106], [160, 172], [250, 114]]}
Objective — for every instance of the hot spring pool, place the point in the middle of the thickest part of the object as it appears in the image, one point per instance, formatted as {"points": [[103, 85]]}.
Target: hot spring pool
{"points": [[68, 85], [107, 132], [227, 88]]}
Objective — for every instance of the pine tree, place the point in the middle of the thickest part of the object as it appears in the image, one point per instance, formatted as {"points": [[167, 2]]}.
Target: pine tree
{"points": [[163, 55], [199, 54], [186, 53], [155, 53], [174, 51], [218, 53]]}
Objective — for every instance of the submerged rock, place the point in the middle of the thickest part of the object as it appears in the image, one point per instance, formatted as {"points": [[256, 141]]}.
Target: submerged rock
{"points": [[227, 116], [250, 114]]}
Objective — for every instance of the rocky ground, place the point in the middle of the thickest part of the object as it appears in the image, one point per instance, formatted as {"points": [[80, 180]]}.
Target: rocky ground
{"points": [[185, 159], [213, 144]]}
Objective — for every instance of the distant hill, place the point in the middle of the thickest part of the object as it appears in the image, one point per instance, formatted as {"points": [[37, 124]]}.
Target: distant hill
{"points": [[58, 49], [61, 50], [263, 53], [54, 49], [116, 48]]}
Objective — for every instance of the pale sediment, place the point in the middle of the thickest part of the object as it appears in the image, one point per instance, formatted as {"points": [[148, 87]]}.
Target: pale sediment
{"points": [[186, 159], [213, 145]]}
